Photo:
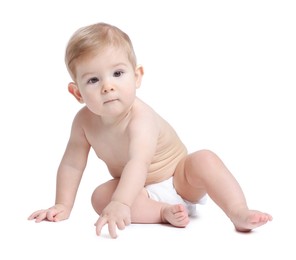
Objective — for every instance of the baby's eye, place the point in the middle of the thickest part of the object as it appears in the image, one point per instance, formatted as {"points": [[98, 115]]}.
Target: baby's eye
{"points": [[118, 73], [92, 80]]}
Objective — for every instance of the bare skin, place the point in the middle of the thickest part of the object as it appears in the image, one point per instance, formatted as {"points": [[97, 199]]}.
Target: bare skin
{"points": [[139, 148], [243, 219], [204, 172], [176, 215], [144, 209]]}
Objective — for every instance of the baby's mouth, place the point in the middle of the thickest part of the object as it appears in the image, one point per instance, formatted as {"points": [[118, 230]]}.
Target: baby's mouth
{"points": [[110, 101]]}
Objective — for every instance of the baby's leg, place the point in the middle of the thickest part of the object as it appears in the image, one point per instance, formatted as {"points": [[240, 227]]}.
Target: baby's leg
{"points": [[203, 172], [144, 209]]}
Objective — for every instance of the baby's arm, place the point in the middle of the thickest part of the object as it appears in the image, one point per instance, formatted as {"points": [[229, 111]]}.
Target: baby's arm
{"points": [[143, 136], [68, 176]]}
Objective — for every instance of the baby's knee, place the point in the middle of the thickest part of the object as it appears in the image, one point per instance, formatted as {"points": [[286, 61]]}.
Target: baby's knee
{"points": [[102, 195], [96, 201], [204, 156]]}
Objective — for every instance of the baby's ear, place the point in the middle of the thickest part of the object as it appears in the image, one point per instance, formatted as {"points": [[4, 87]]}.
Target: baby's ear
{"points": [[74, 90], [139, 72]]}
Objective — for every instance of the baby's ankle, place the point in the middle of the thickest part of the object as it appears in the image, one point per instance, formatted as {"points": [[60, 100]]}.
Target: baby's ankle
{"points": [[237, 210]]}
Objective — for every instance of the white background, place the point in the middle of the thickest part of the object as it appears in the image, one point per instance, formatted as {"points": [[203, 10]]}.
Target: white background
{"points": [[221, 72]]}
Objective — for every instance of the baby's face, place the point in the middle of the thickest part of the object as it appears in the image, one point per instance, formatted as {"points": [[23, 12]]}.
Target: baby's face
{"points": [[107, 82]]}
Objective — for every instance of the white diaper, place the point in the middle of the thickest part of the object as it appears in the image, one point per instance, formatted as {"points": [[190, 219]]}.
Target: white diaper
{"points": [[165, 192]]}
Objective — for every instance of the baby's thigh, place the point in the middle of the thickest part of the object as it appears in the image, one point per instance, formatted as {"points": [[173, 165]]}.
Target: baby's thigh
{"points": [[186, 181]]}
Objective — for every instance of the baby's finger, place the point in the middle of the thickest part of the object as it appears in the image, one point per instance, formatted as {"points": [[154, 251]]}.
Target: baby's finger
{"points": [[99, 225], [51, 213], [127, 221], [35, 214], [112, 229], [121, 225], [40, 217]]}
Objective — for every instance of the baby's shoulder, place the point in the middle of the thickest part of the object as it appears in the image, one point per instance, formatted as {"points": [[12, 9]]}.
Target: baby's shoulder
{"points": [[84, 117], [82, 113], [142, 109], [145, 116]]}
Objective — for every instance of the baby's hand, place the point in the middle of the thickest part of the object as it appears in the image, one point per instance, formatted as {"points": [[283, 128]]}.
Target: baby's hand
{"points": [[56, 213], [115, 214]]}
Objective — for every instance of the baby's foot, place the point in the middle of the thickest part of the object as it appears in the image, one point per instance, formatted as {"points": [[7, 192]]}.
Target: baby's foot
{"points": [[249, 219], [176, 215]]}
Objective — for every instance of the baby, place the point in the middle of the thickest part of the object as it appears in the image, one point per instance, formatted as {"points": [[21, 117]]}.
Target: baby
{"points": [[154, 179]]}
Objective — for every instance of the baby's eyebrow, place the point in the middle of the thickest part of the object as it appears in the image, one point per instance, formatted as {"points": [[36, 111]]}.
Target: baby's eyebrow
{"points": [[87, 75], [120, 64]]}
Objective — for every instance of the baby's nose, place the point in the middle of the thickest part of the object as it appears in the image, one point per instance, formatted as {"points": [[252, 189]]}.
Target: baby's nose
{"points": [[108, 88]]}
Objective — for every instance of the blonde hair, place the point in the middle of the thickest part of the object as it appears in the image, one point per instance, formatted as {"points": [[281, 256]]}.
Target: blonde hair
{"points": [[94, 38]]}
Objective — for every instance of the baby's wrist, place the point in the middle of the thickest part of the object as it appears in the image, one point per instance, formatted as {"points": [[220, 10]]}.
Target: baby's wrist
{"points": [[121, 202]]}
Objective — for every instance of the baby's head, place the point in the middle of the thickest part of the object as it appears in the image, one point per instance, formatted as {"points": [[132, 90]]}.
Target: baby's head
{"points": [[93, 39]]}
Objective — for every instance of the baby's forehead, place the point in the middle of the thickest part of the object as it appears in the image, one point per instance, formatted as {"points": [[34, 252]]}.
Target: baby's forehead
{"points": [[107, 57], [106, 52]]}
